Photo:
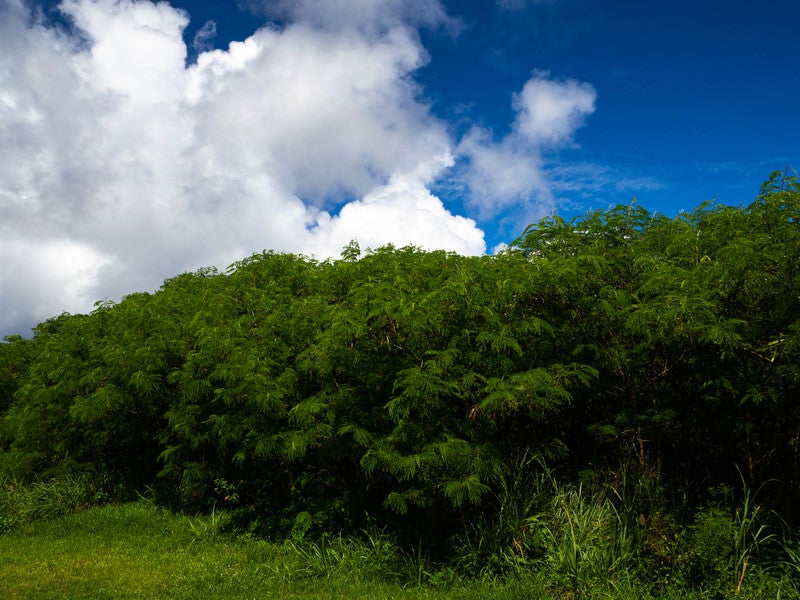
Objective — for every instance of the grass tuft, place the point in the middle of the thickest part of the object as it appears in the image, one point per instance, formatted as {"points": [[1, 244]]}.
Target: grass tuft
{"points": [[42, 500]]}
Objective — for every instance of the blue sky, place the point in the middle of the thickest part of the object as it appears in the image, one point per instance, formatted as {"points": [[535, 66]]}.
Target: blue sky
{"points": [[695, 100], [141, 140]]}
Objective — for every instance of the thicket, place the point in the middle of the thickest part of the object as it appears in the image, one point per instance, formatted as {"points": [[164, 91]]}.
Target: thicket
{"points": [[618, 391]]}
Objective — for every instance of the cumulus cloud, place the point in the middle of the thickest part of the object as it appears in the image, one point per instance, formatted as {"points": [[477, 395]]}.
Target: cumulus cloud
{"points": [[121, 166], [510, 172], [500, 174], [405, 207], [549, 111], [57, 268], [325, 112]]}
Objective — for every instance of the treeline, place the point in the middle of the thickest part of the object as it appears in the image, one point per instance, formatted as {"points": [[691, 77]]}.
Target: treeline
{"points": [[620, 346]]}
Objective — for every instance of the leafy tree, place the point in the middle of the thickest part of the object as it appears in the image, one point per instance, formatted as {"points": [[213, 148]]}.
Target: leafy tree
{"points": [[398, 381]]}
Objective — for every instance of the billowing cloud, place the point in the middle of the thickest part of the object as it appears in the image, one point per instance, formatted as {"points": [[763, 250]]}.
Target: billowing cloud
{"points": [[403, 210], [324, 112], [58, 269], [120, 165], [511, 172], [500, 174], [549, 112]]}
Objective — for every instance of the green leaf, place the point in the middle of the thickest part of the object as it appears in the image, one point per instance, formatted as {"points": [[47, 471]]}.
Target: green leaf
{"points": [[469, 489]]}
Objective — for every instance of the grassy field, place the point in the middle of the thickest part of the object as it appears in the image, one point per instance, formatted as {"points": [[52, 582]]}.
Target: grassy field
{"points": [[138, 551]]}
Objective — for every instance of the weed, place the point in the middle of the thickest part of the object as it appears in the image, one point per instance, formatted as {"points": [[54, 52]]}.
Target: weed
{"points": [[725, 539], [371, 555], [586, 541], [42, 500], [210, 526], [503, 542], [749, 533]]}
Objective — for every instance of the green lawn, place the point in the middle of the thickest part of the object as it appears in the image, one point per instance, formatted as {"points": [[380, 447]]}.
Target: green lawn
{"points": [[138, 551]]}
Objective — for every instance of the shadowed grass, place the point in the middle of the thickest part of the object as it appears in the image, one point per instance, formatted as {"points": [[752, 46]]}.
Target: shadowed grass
{"points": [[22, 503], [138, 551]]}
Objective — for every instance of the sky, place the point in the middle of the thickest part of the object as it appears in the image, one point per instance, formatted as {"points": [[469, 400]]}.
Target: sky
{"points": [[140, 140]]}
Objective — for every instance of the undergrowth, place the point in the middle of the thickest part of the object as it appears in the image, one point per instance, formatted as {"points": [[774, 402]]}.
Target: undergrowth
{"points": [[550, 540], [22, 503]]}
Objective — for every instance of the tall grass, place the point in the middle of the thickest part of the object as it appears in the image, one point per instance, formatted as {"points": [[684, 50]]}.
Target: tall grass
{"points": [[372, 555], [577, 538], [586, 542], [139, 551], [592, 541], [726, 541], [501, 543], [41, 500], [545, 539]]}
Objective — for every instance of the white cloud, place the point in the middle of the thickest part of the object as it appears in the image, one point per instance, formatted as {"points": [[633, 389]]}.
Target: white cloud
{"points": [[120, 166], [501, 174], [136, 48], [511, 172], [329, 112], [549, 112], [404, 211], [32, 277]]}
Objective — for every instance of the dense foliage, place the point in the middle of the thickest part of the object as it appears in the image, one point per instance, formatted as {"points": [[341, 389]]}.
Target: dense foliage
{"points": [[653, 360]]}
